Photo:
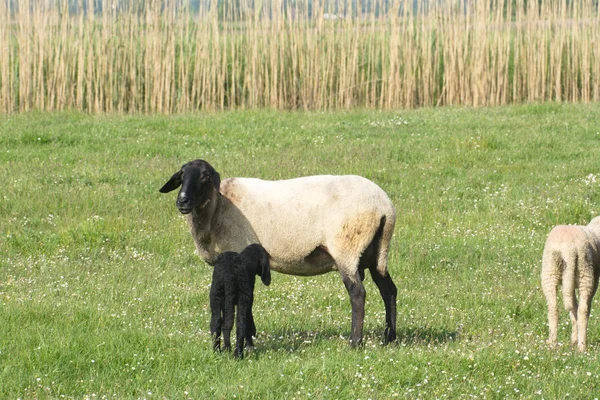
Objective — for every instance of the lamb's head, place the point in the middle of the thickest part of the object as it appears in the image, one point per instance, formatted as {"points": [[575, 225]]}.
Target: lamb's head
{"points": [[198, 181], [257, 254]]}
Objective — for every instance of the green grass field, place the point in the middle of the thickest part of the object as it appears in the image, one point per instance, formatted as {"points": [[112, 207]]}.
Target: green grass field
{"points": [[102, 296]]}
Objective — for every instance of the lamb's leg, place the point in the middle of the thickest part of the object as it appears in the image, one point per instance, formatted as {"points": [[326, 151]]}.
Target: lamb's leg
{"points": [[357, 293], [573, 316], [216, 320], [583, 315], [251, 331], [241, 327], [570, 264], [587, 291], [388, 293], [228, 318], [549, 289]]}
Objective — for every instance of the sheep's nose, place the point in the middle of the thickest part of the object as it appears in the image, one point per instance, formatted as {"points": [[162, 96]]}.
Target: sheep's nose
{"points": [[183, 198]]}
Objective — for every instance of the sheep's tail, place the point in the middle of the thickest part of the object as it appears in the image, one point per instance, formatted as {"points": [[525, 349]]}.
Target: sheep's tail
{"points": [[387, 230], [568, 281]]}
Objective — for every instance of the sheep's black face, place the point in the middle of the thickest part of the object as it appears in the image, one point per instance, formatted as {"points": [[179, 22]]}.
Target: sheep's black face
{"points": [[197, 179]]}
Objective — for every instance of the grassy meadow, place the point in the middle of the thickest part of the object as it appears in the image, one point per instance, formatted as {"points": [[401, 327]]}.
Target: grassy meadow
{"points": [[102, 296], [160, 56]]}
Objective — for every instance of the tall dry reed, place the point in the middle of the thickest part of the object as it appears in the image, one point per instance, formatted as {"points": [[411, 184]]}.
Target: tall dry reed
{"points": [[164, 57]]}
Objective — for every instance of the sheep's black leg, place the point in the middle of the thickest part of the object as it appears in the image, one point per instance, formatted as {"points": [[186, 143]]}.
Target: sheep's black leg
{"points": [[388, 293], [228, 317], [216, 320], [251, 331], [242, 327], [357, 293]]}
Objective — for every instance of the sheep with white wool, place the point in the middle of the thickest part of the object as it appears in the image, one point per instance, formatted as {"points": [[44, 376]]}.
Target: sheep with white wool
{"points": [[309, 226], [572, 258]]}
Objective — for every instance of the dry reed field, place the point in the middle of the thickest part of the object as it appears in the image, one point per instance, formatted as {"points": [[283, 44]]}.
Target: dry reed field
{"points": [[169, 57]]}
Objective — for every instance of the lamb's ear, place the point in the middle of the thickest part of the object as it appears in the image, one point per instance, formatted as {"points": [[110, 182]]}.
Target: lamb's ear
{"points": [[172, 183], [216, 180], [265, 275]]}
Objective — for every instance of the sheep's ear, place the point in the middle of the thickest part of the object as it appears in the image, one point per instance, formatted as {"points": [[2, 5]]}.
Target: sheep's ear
{"points": [[265, 275], [172, 183], [216, 180]]}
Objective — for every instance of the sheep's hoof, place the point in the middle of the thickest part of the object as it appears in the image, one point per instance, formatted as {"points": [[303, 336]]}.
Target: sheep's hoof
{"points": [[389, 335], [552, 343], [238, 354], [581, 348]]}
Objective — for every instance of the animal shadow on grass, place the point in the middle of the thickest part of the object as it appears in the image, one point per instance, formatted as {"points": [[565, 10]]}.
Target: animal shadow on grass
{"points": [[292, 340], [426, 335]]}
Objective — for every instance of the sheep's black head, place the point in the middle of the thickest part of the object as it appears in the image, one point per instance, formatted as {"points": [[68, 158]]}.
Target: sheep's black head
{"points": [[259, 255], [197, 179]]}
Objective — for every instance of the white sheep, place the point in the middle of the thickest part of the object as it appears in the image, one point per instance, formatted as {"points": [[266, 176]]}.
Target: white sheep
{"points": [[309, 226], [571, 258]]}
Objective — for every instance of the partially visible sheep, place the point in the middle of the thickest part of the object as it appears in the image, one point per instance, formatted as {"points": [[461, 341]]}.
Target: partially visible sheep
{"points": [[309, 226], [571, 258], [233, 285]]}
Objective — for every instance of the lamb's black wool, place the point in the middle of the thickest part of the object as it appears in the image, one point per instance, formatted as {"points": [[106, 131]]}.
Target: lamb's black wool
{"points": [[233, 285]]}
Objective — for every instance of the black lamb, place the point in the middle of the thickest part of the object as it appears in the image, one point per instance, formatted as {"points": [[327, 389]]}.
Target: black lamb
{"points": [[233, 281]]}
